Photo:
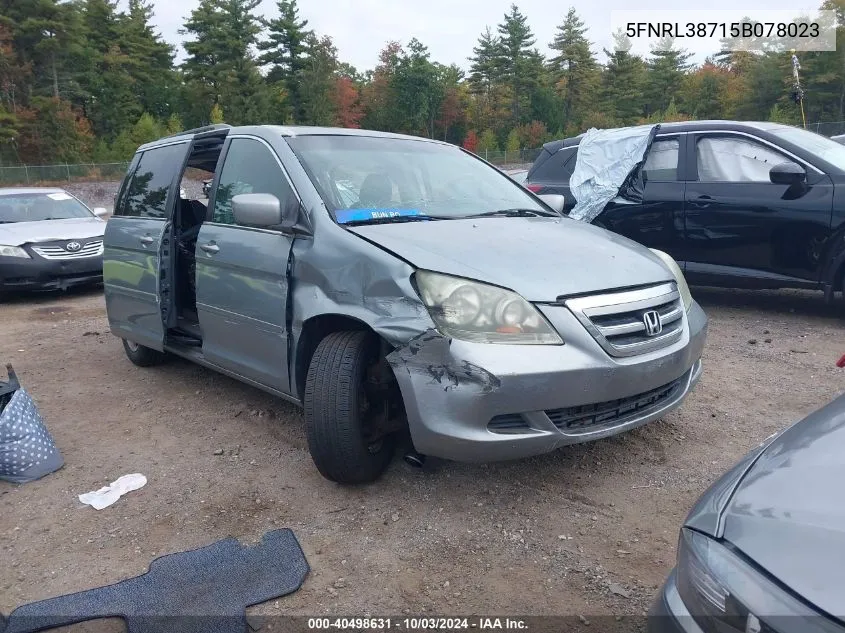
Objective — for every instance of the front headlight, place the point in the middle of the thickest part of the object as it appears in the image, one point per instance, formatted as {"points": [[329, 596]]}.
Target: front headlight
{"points": [[472, 311], [683, 288], [13, 251], [726, 594]]}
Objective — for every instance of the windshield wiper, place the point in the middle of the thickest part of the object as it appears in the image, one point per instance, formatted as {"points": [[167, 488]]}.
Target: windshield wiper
{"points": [[514, 213], [396, 219]]}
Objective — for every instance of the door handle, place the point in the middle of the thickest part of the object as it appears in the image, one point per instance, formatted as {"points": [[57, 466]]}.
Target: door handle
{"points": [[701, 202], [146, 240], [210, 248]]}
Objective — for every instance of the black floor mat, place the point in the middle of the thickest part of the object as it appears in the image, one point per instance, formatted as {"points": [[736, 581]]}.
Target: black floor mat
{"points": [[205, 590]]}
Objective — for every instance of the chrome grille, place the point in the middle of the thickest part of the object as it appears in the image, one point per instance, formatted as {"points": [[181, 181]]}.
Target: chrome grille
{"points": [[88, 249], [620, 321]]}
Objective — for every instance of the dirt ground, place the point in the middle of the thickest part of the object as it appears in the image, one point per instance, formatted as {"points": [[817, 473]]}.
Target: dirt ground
{"points": [[588, 530]]}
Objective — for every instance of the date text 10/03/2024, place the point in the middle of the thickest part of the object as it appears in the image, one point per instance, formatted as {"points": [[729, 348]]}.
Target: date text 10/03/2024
{"points": [[417, 624]]}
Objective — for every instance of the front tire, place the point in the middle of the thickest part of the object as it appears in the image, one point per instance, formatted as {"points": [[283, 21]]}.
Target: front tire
{"points": [[142, 356], [339, 415]]}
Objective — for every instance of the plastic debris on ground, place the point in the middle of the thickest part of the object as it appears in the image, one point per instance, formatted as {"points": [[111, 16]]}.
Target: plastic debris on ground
{"points": [[107, 495], [604, 162], [27, 450]]}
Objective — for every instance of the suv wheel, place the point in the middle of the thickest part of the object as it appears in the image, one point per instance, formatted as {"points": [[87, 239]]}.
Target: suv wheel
{"points": [[340, 418], [142, 356]]}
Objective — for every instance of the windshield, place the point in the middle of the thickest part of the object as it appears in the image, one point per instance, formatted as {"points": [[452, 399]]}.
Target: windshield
{"points": [[826, 149], [35, 207], [367, 178]]}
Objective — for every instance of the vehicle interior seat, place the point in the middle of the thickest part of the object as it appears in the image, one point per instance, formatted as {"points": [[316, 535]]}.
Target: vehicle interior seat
{"points": [[376, 191]]}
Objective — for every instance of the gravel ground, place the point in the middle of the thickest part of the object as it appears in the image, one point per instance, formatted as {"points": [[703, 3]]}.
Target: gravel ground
{"points": [[589, 530]]}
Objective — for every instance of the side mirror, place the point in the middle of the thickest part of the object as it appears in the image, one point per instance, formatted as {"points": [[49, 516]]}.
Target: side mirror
{"points": [[554, 200], [101, 212], [788, 174], [257, 209]]}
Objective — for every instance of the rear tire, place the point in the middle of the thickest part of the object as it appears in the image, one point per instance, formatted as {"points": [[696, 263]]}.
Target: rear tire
{"points": [[143, 356], [336, 408]]}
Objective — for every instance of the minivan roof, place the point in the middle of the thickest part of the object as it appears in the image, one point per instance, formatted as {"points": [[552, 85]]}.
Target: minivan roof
{"points": [[285, 130]]}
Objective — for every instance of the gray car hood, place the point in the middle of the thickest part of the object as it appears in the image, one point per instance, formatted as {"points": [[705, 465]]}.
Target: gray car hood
{"points": [[787, 513], [19, 233], [540, 258]]}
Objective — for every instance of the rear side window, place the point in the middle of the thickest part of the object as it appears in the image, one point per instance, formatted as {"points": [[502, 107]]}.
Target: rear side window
{"points": [[249, 167], [146, 195], [558, 167], [662, 161]]}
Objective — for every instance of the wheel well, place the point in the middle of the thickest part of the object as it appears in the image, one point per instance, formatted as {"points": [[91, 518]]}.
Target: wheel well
{"points": [[315, 330]]}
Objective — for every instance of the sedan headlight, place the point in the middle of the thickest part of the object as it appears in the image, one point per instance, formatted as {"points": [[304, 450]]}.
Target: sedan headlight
{"points": [[472, 311], [13, 251], [726, 594], [683, 288]]}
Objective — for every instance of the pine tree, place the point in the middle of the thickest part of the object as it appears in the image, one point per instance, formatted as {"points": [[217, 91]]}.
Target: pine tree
{"points": [[484, 67], [150, 60], [520, 64], [220, 67], [285, 52], [622, 83], [666, 67], [48, 40], [106, 79], [418, 95], [317, 80], [574, 67]]}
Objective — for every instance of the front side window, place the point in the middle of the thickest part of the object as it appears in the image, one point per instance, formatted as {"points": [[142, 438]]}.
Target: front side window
{"points": [[37, 207], [735, 159], [147, 193], [362, 177], [818, 145], [662, 161], [249, 167]]}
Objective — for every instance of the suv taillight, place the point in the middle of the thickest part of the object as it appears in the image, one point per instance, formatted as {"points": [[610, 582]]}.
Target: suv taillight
{"points": [[534, 188]]}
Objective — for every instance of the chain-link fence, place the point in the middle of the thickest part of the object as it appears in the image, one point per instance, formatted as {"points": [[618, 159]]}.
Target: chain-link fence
{"points": [[80, 172], [827, 128], [46, 174], [503, 158]]}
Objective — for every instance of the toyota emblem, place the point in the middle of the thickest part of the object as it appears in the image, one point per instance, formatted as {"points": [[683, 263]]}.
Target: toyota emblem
{"points": [[73, 246]]}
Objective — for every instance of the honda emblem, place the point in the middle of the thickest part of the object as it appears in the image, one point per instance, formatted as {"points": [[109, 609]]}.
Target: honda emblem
{"points": [[653, 323]]}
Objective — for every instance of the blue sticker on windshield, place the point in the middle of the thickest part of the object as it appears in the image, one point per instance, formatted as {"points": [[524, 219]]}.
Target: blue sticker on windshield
{"points": [[344, 216]]}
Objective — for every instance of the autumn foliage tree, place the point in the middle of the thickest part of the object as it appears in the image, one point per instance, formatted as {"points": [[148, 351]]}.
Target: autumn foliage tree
{"points": [[471, 141], [86, 80], [347, 106]]}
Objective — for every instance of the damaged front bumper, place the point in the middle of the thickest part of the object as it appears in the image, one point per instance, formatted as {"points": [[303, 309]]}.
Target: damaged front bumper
{"points": [[484, 402]]}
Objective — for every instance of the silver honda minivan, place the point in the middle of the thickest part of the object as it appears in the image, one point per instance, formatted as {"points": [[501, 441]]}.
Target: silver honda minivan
{"points": [[399, 289]]}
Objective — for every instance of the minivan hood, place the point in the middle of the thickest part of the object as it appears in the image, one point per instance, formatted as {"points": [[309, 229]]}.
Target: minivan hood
{"points": [[787, 512], [20, 233], [541, 258]]}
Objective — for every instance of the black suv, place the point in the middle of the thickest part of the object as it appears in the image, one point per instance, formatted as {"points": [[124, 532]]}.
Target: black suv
{"points": [[737, 204]]}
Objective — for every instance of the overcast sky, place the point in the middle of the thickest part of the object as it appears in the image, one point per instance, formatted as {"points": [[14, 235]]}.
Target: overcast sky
{"points": [[450, 28]]}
